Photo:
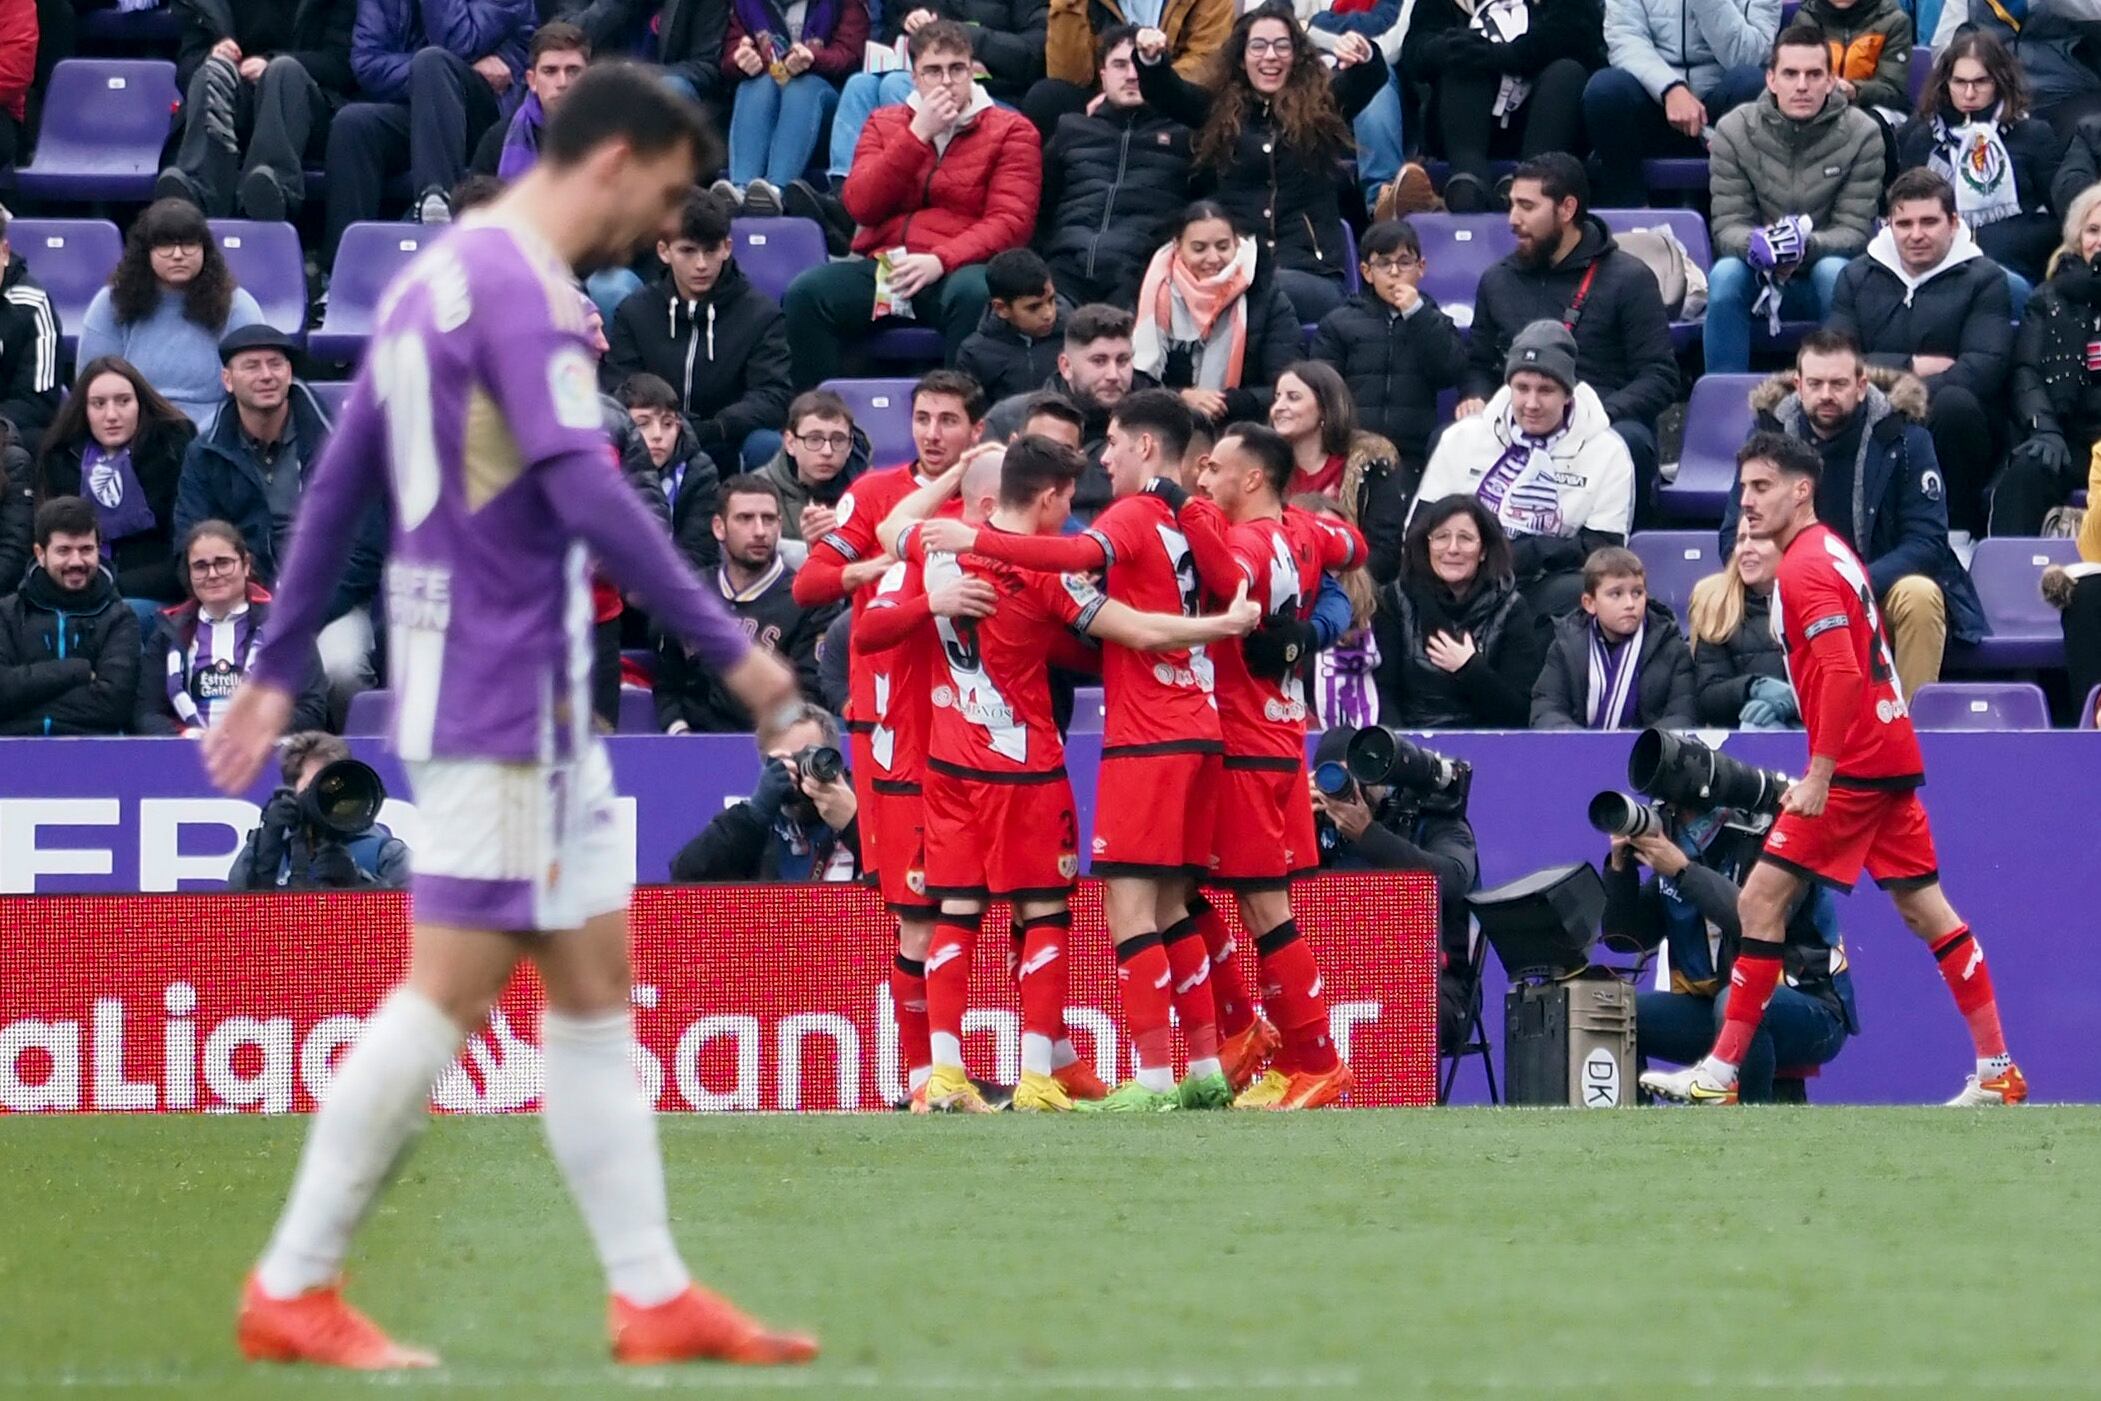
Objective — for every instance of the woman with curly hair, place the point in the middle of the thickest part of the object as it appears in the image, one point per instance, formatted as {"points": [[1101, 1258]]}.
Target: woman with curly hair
{"points": [[1272, 127], [168, 304]]}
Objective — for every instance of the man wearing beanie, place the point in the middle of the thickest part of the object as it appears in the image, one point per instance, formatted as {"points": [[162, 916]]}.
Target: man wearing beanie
{"points": [[1543, 458]]}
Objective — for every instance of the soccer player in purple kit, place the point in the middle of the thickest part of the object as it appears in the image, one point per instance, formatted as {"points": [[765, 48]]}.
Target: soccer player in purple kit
{"points": [[477, 413]]}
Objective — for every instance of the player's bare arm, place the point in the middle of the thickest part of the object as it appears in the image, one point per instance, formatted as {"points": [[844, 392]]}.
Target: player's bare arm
{"points": [[923, 502], [1167, 632]]}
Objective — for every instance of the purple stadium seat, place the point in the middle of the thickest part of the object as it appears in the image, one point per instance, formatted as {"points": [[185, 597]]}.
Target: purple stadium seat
{"points": [[73, 258], [333, 394], [1686, 223], [903, 342], [1457, 249], [105, 122], [2026, 633], [267, 260], [638, 712], [369, 713], [2090, 716], [1718, 418], [773, 252], [883, 410], [366, 262], [1921, 70], [1980, 705], [1675, 560], [1675, 173]]}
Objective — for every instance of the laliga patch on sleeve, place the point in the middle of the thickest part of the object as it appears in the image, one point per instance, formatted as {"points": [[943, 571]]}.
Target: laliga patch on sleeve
{"points": [[573, 385], [1836, 620], [1081, 587]]}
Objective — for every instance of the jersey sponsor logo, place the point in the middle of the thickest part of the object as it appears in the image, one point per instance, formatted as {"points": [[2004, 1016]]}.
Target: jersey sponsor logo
{"points": [[573, 385], [1284, 712], [1191, 677], [215, 682], [1889, 709]]}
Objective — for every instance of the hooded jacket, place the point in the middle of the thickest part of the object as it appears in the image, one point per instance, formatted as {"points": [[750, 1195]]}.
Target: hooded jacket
{"points": [[174, 629], [388, 34], [1663, 686], [1664, 43], [962, 203], [1958, 308], [1623, 337], [1195, 30], [2053, 392], [1722, 672], [319, 38], [690, 516], [1763, 166], [726, 354], [1394, 364], [69, 664], [1003, 361], [145, 562], [29, 351], [1870, 48], [1899, 522], [1491, 692], [1113, 180]]}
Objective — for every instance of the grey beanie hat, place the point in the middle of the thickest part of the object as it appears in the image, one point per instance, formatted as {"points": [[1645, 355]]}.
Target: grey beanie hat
{"points": [[1547, 347]]}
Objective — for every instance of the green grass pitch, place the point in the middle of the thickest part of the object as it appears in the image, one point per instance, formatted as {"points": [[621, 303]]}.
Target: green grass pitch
{"points": [[1819, 1252]]}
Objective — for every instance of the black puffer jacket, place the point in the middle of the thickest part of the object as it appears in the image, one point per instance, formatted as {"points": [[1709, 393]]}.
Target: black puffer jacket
{"points": [[29, 352], [2052, 389], [1623, 339], [1440, 41], [1961, 310], [1663, 689], [1006, 37], [1722, 672], [17, 517], [726, 355], [1003, 361], [1285, 198], [1394, 366], [1491, 692], [145, 562], [69, 665], [686, 35], [1112, 181]]}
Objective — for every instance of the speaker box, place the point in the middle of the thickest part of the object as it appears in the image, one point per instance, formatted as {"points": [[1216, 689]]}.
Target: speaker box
{"points": [[1569, 1043]]}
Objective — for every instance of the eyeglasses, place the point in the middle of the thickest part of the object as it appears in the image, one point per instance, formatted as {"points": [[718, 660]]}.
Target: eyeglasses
{"points": [[823, 442], [943, 72], [224, 564], [1262, 48], [1972, 83], [1404, 263], [180, 245]]}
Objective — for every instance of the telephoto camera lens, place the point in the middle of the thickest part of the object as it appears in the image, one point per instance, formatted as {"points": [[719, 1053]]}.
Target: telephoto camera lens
{"points": [[1680, 769], [345, 797], [1378, 755], [1331, 778], [1617, 815], [821, 762]]}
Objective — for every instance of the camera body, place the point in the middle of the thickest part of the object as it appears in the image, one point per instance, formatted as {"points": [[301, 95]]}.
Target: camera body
{"points": [[1678, 769], [819, 761]]}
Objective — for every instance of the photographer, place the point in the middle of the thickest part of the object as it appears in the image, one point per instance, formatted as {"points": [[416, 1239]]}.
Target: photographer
{"points": [[1689, 903], [1394, 827], [798, 824], [302, 845]]}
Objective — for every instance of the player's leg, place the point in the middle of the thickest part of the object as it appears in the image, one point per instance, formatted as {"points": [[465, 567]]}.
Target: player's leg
{"points": [[1205, 1085], [1045, 929], [1245, 1040], [1144, 979], [1769, 892], [955, 878], [915, 933], [1927, 913], [1312, 1074]]}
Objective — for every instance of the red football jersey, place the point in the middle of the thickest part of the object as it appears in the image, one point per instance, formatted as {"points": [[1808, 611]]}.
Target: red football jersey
{"points": [[864, 506], [1822, 587], [992, 714], [900, 678], [1282, 561], [1159, 701]]}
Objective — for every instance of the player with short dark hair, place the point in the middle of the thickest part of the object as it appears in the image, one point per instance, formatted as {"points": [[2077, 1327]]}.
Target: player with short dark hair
{"points": [[1858, 805], [477, 415]]}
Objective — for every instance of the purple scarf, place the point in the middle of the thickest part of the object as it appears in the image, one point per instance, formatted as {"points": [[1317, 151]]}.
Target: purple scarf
{"points": [[521, 140], [765, 17], [203, 675], [109, 483], [1615, 677], [1343, 693]]}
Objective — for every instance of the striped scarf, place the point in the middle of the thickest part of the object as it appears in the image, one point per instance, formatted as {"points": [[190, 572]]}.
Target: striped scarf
{"points": [[1614, 670], [202, 677]]}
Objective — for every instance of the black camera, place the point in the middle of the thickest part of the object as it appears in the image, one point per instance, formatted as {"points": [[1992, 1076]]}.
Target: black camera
{"points": [[344, 799], [1332, 779], [1380, 755], [819, 761], [1679, 769], [1618, 815]]}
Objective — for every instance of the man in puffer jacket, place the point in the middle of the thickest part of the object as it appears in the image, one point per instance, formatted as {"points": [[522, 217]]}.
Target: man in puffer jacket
{"points": [[1796, 177], [69, 646]]}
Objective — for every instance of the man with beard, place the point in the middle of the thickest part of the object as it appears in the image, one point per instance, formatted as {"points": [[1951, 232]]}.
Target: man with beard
{"points": [[1094, 373], [69, 646], [1568, 268]]}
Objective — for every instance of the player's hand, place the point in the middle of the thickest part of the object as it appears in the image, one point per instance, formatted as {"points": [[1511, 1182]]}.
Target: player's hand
{"points": [[1150, 45], [495, 72], [1243, 613], [914, 273], [1351, 50], [798, 60], [1806, 796], [818, 522], [834, 801], [948, 533], [228, 50], [866, 571], [1467, 408], [1448, 653], [763, 683], [746, 57], [1685, 112], [252, 67], [936, 115], [963, 598], [237, 747], [1660, 855]]}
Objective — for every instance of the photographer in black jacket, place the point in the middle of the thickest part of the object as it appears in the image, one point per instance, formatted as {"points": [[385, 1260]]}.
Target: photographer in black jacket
{"points": [[1382, 828], [795, 826], [294, 848]]}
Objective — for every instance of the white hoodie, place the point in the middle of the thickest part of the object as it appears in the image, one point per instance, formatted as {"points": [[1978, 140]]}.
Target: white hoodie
{"points": [[1883, 249], [1591, 474]]}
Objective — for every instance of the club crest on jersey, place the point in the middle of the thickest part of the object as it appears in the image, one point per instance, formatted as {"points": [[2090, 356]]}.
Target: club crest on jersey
{"points": [[943, 697], [1068, 865]]}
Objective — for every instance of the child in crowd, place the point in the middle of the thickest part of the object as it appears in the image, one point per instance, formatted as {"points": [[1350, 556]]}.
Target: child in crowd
{"points": [[1015, 347], [689, 476], [1621, 663], [1393, 344]]}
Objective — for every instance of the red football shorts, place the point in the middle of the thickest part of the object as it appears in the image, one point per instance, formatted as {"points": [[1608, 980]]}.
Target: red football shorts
{"points": [[1883, 829], [860, 746], [1155, 814], [999, 840], [1265, 824], [897, 823]]}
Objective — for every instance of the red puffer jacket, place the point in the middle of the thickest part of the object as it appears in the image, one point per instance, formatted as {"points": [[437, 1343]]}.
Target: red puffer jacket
{"points": [[963, 205]]}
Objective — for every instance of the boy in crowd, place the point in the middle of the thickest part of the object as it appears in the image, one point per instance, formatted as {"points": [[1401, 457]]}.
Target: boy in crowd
{"points": [[1015, 348], [1393, 345], [689, 476], [1619, 664]]}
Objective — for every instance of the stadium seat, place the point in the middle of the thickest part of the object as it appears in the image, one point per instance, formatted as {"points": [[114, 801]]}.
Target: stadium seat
{"points": [[333, 394], [638, 712], [1457, 249], [902, 342], [2025, 632], [1980, 705], [366, 261], [883, 410], [2090, 717], [73, 258], [1676, 173], [1086, 710], [267, 260], [106, 121], [369, 713], [1718, 418], [1691, 230], [1675, 561], [1921, 70], [773, 252]]}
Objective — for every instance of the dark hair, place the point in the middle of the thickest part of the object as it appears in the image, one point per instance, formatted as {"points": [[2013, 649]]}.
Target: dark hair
{"points": [[1049, 403], [6, 217], [69, 425], [705, 218], [1105, 43], [1098, 321], [557, 37], [1309, 122], [1387, 237], [1826, 341], [1560, 175], [1612, 562], [1196, 212], [65, 515], [210, 530], [305, 747], [1338, 411], [744, 484], [1801, 34], [1791, 455], [1922, 182], [1035, 465], [1016, 273], [473, 190], [1269, 450], [1161, 413], [1497, 564], [1999, 65], [818, 403], [953, 383], [947, 35], [646, 391], [630, 103], [135, 293]]}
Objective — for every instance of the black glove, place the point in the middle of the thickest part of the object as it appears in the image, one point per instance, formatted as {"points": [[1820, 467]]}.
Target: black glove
{"points": [[1168, 490], [775, 786], [2047, 451], [1274, 649], [332, 868], [273, 835]]}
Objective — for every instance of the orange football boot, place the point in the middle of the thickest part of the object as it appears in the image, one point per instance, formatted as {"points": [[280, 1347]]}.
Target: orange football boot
{"points": [[318, 1327], [1310, 1091], [1241, 1056], [699, 1326], [1080, 1081]]}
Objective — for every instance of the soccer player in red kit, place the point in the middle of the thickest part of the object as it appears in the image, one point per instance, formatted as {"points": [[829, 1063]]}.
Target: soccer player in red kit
{"points": [[1858, 805], [1265, 832], [999, 809], [1161, 745], [886, 708]]}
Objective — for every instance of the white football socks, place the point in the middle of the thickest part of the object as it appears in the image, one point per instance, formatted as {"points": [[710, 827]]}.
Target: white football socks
{"points": [[378, 1098], [1719, 1071], [1208, 1065], [604, 1136], [1035, 1054]]}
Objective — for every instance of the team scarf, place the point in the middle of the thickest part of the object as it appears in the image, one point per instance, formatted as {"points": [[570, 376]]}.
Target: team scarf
{"points": [[521, 140], [1503, 22], [763, 19], [1973, 158], [121, 507], [1176, 307], [1517, 489], [1343, 691], [1614, 669], [202, 676]]}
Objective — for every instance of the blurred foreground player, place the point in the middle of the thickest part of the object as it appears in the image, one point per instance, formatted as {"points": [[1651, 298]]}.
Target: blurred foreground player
{"points": [[1858, 805], [477, 413]]}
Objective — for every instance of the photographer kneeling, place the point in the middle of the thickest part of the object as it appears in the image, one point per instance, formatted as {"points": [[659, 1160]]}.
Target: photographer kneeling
{"points": [[799, 824], [1401, 826], [320, 830]]}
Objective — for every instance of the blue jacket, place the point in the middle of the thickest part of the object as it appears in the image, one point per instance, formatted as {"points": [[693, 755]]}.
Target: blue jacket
{"points": [[390, 32], [1900, 496], [221, 480]]}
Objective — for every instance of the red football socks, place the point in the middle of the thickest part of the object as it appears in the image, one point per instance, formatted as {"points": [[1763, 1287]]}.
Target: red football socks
{"points": [[1041, 974], [1291, 997], [1190, 963], [1230, 1001], [1751, 983], [948, 984], [1961, 960], [908, 1005], [1144, 981]]}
